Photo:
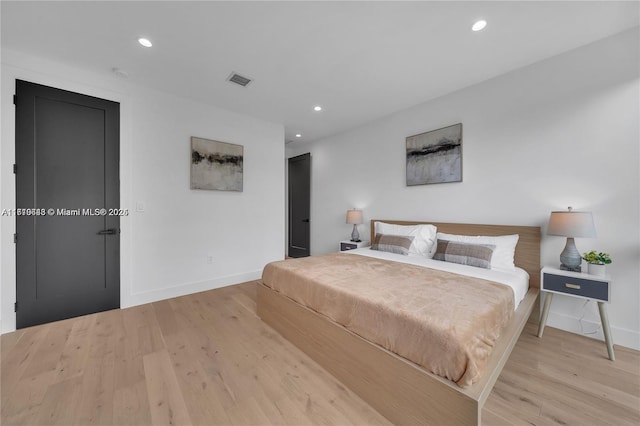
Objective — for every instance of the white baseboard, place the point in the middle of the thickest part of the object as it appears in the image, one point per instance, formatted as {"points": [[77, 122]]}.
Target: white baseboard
{"points": [[187, 288], [593, 329], [174, 291]]}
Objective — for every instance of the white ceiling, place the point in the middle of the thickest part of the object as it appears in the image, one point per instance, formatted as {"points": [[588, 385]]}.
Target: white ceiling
{"points": [[359, 60]]}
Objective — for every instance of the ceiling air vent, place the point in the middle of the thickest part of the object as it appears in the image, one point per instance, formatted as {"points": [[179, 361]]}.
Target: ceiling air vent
{"points": [[238, 79]]}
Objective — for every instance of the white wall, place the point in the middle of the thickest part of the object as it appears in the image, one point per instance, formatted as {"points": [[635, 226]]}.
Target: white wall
{"points": [[163, 249], [563, 132]]}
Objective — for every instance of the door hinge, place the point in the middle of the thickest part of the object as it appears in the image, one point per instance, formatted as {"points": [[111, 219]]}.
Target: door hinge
{"points": [[15, 99], [15, 307], [15, 169], [15, 238]]}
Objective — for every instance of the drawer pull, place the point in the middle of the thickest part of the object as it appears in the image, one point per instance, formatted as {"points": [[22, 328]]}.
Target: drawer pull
{"points": [[573, 286]]}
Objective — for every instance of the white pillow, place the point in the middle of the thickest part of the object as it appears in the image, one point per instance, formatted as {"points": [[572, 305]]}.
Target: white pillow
{"points": [[424, 236], [502, 254]]}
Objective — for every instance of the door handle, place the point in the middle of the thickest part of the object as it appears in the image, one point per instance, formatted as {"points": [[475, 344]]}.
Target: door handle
{"points": [[305, 220], [111, 231]]}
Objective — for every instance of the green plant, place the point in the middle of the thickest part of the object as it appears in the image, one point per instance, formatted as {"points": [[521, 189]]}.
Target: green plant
{"points": [[597, 258]]}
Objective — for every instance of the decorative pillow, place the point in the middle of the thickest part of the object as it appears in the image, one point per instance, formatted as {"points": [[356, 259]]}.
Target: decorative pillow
{"points": [[465, 254], [424, 236], [392, 243], [502, 254]]}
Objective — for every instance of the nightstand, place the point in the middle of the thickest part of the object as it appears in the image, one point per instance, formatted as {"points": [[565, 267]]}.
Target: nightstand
{"points": [[350, 245], [576, 284]]}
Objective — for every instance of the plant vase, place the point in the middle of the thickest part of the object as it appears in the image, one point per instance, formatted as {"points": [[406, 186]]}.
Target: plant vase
{"points": [[596, 269]]}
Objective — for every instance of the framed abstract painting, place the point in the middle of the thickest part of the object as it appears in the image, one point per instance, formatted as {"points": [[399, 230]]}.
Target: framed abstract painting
{"points": [[216, 165], [435, 156]]}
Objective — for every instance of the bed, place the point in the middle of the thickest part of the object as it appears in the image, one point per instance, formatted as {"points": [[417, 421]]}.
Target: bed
{"points": [[402, 390]]}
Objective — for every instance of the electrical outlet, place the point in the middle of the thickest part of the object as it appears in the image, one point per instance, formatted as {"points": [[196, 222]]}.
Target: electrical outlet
{"points": [[209, 259]]}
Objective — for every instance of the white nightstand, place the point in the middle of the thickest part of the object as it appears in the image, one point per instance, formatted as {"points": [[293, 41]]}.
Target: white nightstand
{"points": [[580, 285], [350, 245]]}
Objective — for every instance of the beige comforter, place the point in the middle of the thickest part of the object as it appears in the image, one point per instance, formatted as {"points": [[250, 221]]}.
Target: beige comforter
{"points": [[445, 322]]}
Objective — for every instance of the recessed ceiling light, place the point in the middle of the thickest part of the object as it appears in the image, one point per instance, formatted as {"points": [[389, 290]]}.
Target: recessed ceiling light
{"points": [[298, 135], [317, 108], [479, 25], [145, 42]]}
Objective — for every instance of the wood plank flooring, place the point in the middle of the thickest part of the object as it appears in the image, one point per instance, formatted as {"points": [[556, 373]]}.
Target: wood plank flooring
{"points": [[207, 359]]}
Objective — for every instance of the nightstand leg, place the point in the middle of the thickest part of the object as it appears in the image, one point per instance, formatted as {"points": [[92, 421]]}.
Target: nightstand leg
{"points": [[607, 330], [545, 312]]}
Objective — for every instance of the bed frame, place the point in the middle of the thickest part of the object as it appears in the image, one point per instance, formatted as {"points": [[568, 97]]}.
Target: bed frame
{"points": [[400, 390]]}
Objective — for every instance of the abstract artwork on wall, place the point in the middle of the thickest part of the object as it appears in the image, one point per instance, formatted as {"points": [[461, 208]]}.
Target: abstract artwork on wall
{"points": [[435, 156], [216, 165]]}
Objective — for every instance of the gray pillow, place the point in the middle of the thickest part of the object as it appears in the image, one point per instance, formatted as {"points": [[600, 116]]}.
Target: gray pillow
{"points": [[464, 253], [392, 243]]}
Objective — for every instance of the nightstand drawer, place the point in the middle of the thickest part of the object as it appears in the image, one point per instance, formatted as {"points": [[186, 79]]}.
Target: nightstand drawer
{"points": [[591, 289], [348, 246]]}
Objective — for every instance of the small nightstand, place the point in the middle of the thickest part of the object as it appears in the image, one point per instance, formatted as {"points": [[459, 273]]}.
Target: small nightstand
{"points": [[580, 285], [350, 245]]}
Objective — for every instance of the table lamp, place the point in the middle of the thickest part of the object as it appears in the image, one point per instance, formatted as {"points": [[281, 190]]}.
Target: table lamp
{"points": [[571, 224], [354, 217]]}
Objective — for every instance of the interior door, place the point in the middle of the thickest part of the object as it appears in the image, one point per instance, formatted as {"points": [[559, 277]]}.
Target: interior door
{"points": [[67, 199], [299, 205]]}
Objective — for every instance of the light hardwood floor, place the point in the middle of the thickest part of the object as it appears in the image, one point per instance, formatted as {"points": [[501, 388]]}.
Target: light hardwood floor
{"points": [[207, 359]]}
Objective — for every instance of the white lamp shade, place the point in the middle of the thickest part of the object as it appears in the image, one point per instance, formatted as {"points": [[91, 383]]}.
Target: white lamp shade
{"points": [[571, 224], [354, 217]]}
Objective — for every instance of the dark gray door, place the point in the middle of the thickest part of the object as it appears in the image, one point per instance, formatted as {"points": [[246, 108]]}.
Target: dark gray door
{"points": [[67, 177], [299, 205]]}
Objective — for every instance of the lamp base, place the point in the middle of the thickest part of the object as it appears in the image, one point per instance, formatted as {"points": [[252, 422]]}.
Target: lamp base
{"points": [[570, 259], [355, 235], [571, 268]]}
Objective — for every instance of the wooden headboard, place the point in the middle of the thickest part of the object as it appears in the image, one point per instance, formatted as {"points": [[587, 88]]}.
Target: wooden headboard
{"points": [[527, 254]]}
